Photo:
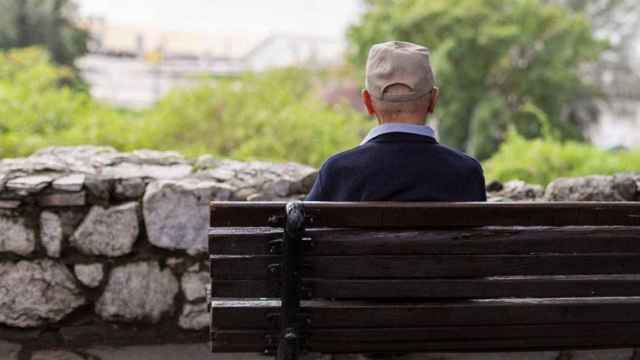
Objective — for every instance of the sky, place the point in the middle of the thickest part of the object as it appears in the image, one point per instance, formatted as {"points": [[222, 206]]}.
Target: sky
{"points": [[326, 18]]}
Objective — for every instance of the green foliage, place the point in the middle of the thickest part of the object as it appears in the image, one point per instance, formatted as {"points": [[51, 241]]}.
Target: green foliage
{"points": [[275, 115], [495, 61], [39, 108], [540, 161], [48, 23]]}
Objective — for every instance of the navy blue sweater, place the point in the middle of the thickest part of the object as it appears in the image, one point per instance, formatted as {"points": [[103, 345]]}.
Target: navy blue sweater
{"points": [[400, 167]]}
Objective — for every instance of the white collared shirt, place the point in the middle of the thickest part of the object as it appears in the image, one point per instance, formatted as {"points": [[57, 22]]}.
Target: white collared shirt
{"points": [[424, 130]]}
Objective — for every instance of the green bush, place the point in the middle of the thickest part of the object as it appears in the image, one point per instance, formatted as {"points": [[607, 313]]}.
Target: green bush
{"points": [[541, 161], [274, 115], [39, 108]]}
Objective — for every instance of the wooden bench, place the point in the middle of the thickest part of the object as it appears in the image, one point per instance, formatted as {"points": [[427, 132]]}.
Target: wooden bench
{"points": [[423, 277]]}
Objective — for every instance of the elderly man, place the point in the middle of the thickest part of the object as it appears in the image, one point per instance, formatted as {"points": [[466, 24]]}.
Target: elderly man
{"points": [[400, 159]]}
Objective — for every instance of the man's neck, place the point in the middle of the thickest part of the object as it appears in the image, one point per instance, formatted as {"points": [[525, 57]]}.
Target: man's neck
{"points": [[402, 121]]}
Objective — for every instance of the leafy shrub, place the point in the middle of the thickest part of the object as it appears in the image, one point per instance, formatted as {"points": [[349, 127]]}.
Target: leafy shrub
{"points": [[543, 160], [39, 108], [274, 115]]}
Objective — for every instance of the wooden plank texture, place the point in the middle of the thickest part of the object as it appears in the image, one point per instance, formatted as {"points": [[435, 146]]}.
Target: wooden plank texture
{"points": [[262, 314], [424, 215], [239, 267], [486, 240], [476, 288], [424, 339]]}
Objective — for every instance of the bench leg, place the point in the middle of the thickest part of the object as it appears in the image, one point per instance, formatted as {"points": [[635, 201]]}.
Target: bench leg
{"points": [[289, 346]]}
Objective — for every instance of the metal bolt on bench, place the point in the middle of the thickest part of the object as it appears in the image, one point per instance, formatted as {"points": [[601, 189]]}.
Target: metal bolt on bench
{"points": [[423, 277]]}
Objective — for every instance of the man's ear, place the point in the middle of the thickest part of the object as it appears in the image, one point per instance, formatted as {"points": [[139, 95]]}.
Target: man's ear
{"points": [[435, 95], [368, 103]]}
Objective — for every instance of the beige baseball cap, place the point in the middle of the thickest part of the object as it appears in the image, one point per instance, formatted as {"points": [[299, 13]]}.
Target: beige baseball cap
{"points": [[399, 62]]}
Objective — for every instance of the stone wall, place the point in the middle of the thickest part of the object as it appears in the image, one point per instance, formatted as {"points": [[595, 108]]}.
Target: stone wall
{"points": [[101, 248]]}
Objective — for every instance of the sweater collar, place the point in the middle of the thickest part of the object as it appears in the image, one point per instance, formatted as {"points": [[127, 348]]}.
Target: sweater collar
{"points": [[423, 130]]}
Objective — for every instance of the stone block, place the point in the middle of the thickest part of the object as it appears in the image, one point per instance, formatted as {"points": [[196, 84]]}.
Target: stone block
{"points": [[45, 289], [73, 182], [128, 189], [63, 199], [16, 236], [193, 285], [176, 213], [110, 232], [138, 292], [194, 317], [10, 204], [51, 233], [89, 275], [26, 185]]}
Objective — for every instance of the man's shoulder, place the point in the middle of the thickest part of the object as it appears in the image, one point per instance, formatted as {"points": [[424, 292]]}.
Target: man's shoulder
{"points": [[462, 158], [345, 158]]}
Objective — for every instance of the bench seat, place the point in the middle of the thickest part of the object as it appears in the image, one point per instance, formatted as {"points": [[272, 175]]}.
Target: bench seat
{"points": [[423, 277]]}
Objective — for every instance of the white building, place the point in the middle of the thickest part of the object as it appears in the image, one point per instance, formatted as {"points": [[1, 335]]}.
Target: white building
{"points": [[132, 67]]}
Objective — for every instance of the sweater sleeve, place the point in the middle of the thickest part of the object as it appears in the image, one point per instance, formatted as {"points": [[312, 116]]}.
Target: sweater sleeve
{"points": [[317, 192]]}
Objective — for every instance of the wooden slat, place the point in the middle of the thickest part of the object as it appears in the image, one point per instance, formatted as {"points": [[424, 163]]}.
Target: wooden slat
{"points": [[486, 240], [262, 314], [241, 241], [477, 288], [229, 267], [479, 337], [417, 215]]}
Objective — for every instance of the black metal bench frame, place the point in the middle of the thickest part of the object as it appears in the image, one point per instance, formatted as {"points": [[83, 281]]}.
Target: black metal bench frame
{"points": [[293, 218]]}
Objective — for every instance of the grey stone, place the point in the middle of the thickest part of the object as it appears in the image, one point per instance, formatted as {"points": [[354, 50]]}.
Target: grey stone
{"points": [[194, 317], [627, 186], [205, 162], [128, 170], [71, 218], [63, 199], [138, 292], [55, 355], [129, 188], [193, 285], [281, 180], [517, 190], [176, 213], [174, 263], [9, 351], [29, 184], [16, 235], [605, 354], [98, 189], [73, 182], [10, 204], [147, 156], [244, 194], [45, 289], [110, 232], [89, 275], [590, 188], [51, 233]]}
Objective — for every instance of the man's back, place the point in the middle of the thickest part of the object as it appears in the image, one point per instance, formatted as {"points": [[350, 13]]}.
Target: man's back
{"points": [[400, 166]]}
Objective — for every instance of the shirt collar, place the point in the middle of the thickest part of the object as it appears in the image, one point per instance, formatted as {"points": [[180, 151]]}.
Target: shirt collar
{"points": [[423, 130]]}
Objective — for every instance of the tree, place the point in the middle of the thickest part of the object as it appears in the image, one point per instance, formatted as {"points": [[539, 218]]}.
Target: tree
{"points": [[48, 23], [499, 63]]}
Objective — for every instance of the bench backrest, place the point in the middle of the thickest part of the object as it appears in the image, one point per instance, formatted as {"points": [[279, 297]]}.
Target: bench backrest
{"points": [[385, 277]]}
